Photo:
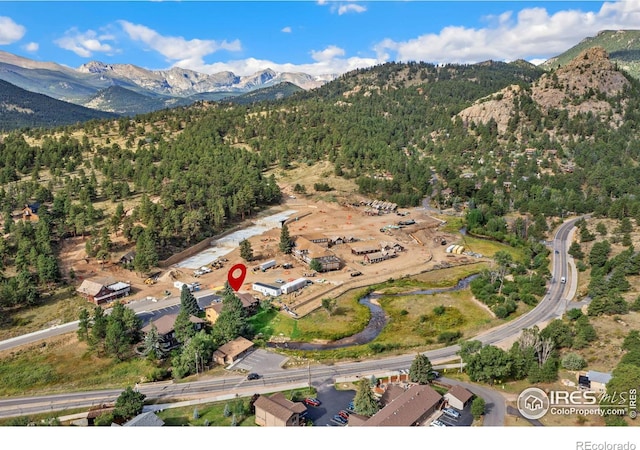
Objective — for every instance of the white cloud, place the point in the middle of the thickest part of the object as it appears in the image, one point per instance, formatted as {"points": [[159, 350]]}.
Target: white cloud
{"points": [[32, 47], [343, 7], [10, 31], [286, 30], [85, 44], [531, 33], [350, 7], [328, 54], [328, 61], [181, 52]]}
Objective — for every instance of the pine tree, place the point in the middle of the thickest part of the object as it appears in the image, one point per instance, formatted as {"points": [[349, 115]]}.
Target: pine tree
{"points": [[232, 321], [98, 329], [364, 401], [285, 240], [421, 370], [246, 252], [188, 301], [83, 325], [183, 327], [152, 343]]}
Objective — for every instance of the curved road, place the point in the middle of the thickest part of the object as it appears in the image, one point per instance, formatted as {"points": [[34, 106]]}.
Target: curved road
{"points": [[551, 306]]}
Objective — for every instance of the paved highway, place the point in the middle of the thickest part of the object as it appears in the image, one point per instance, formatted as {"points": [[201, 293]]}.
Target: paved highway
{"points": [[551, 306]]}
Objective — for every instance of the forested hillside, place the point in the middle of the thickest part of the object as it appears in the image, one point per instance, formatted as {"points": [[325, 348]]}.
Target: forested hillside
{"points": [[24, 109], [395, 129]]}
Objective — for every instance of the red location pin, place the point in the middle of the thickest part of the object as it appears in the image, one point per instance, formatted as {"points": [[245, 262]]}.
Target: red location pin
{"points": [[236, 282]]}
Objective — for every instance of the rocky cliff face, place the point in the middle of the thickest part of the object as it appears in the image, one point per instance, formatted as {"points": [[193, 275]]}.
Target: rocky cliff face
{"points": [[587, 83]]}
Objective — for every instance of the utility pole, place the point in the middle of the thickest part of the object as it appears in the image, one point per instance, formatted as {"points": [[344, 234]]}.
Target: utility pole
{"points": [[309, 372], [196, 363]]}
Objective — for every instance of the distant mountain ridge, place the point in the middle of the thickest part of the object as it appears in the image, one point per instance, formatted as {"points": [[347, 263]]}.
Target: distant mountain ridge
{"points": [[21, 108], [164, 88]]}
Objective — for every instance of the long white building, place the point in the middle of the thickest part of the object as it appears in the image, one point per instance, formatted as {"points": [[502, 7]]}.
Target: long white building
{"points": [[267, 289], [293, 286]]}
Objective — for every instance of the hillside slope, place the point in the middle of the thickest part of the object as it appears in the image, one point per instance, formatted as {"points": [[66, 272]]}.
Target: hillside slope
{"points": [[20, 108], [623, 47]]}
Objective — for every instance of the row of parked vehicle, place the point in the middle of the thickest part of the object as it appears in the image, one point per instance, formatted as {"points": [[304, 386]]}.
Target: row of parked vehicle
{"points": [[450, 413]]}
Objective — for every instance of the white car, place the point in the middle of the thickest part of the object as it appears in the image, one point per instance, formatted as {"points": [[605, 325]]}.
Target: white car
{"points": [[437, 423]]}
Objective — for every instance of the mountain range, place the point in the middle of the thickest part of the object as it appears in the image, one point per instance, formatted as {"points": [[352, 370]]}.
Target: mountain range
{"points": [[129, 89], [126, 89]]}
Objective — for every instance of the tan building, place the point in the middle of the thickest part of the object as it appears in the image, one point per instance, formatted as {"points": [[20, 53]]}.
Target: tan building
{"points": [[458, 397], [249, 302], [278, 411], [306, 251], [232, 350]]}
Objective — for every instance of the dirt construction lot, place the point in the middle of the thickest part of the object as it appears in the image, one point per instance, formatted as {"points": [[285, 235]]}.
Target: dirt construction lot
{"points": [[420, 247]]}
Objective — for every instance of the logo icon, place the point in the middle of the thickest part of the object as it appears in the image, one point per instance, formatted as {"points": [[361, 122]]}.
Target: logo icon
{"points": [[533, 403], [235, 281]]}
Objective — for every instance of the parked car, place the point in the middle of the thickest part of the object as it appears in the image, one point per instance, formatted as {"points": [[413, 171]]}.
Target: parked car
{"points": [[311, 401], [356, 274], [343, 414], [451, 413], [280, 281], [253, 376], [340, 419], [437, 423], [350, 406]]}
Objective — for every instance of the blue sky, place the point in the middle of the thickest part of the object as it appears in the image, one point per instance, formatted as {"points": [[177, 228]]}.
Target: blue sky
{"points": [[316, 37]]}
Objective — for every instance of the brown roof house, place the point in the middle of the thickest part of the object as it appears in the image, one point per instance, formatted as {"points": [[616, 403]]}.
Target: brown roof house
{"points": [[250, 304], [278, 411], [103, 290], [30, 212], [165, 326], [458, 397], [306, 251], [232, 350], [411, 408]]}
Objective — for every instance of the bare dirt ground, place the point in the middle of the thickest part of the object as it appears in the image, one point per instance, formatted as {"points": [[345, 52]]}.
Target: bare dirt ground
{"points": [[421, 243]]}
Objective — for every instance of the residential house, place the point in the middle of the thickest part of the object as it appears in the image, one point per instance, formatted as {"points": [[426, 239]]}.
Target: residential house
{"points": [[458, 397], [411, 408], [103, 290], [598, 380], [146, 419], [165, 326], [128, 258], [232, 351], [30, 212], [249, 303], [277, 411]]}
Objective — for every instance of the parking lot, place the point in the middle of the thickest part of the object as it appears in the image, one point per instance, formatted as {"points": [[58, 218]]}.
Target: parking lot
{"points": [[332, 402], [465, 419], [261, 361]]}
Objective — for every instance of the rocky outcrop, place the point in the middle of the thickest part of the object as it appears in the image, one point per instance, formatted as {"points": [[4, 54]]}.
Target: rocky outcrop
{"points": [[583, 85]]}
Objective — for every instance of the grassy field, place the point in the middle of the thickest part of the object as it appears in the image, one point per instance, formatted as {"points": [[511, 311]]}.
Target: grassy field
{"points": [[60, 307], [414, 323], [348, 318], [212, 414], [64, 364]]}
